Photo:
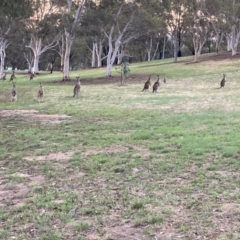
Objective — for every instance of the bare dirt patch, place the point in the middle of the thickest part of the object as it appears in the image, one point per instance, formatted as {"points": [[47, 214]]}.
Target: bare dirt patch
{"points": [[133, 78], [34, 115], [107, 150], [230, 207], [51, 156], [17, 194]]}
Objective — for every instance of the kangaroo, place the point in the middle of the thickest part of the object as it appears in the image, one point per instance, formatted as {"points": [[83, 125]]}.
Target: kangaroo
{"points": [[12, 76], [14, 93], [77, 88], [40, 93], [147, 84], [164, 79], [32, 75], [222, 83], [156, 85]]}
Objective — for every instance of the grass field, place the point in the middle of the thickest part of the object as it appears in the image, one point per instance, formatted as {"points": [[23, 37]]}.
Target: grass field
{"points": [[121, 164]]}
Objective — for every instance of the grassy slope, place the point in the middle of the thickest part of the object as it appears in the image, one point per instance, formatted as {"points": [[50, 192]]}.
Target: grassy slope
{"points": [[125, 164]]}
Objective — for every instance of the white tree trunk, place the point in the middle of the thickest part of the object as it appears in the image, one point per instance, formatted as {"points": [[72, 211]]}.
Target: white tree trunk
{"points": [[156, 49], [121, 38], [99, 53], [120, 55], [200, 47], [235, 39], [69, 42], [36, 46], [175, 50], [2, 58], [149, 49], [229, 42], [3, 46], [94, 47], [164, 47], [35, 64]]}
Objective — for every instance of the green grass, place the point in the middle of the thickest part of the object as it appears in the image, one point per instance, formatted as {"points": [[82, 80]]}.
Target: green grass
{"points": [[118, 163]]}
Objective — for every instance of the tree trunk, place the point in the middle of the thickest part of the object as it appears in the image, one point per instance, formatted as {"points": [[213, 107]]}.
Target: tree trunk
{"points": [[149, 49], [99, 49], [235, 39], [36, 62], [93, 62], [164, 47], [3, 55], [175, 51], [200, 47], [3, 46], [69, 42], [156, 49]]}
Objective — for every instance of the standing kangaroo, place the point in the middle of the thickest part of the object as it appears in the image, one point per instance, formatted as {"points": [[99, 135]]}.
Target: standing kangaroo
{"points": [[40, 93], [77, 88], [14, 92], [32, 75], [164, 79], [12, 76], [147, 84], [156, 84], [222, 83]]}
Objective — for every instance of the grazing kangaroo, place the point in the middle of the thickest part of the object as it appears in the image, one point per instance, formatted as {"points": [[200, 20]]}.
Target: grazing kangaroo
{"points": [[14, 93], [32, 75], [156, 85], [40, 93], [222, 83], [147, 84], [77, 88], [12, 76], [164, 79]]}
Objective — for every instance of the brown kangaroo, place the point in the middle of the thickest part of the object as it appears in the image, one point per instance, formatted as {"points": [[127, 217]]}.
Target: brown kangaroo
{"points": [[40, 93], [32, 75], [156, 85], [12, 76], [147, 84], [222, 83], [14, 92], [77, 88], [164, 79]]}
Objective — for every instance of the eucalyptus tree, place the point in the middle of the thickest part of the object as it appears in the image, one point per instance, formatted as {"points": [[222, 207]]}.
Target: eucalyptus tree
{"points": [[93, 24], [197, 25], [11, 13], [120, 27], [232, 13], [152, 25], [41, 27], [174, 12], [215, 13], [72, 13]]}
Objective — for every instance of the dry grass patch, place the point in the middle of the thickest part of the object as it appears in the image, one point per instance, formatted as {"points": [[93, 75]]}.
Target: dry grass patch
{"points": [[106, 150], [56, 156], [34, 115]]}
